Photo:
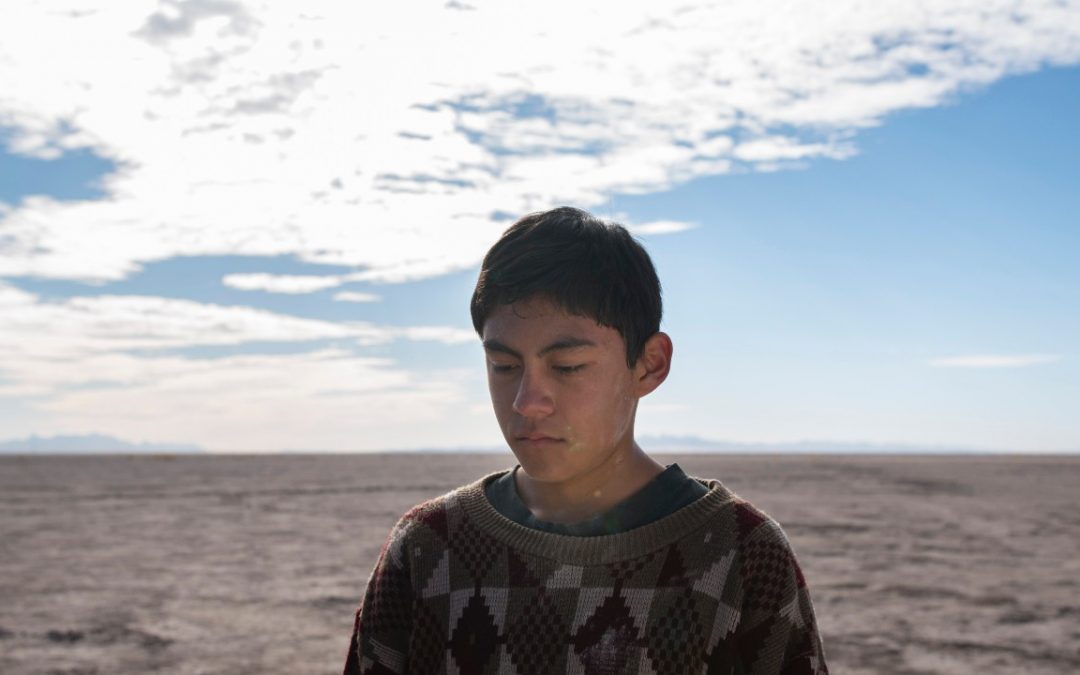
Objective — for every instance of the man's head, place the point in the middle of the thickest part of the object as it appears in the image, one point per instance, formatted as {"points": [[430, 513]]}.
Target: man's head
{"points": [[581, 264], [568, 308]]}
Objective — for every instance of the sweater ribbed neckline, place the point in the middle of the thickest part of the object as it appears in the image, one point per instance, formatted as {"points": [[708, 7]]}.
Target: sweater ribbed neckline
{"points": [[598, 550]]}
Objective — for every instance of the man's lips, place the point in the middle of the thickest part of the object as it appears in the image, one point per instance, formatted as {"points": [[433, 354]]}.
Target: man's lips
{"points": [[536, 438]]}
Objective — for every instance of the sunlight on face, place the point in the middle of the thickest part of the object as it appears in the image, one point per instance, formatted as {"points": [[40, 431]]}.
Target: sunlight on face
{"points": [[560, 387]]}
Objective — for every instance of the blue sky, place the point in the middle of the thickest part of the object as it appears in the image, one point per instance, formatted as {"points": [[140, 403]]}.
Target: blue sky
{"points": [[829, 290], [859, 263]]}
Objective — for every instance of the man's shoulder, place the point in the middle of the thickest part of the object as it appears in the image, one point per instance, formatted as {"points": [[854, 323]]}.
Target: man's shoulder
{"points": [[742, 524], [436, 515], [751, 521], [764, 545], [735, 512]]}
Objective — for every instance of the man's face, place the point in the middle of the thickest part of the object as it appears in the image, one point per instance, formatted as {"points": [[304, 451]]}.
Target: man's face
{"points": [[562, 392]]}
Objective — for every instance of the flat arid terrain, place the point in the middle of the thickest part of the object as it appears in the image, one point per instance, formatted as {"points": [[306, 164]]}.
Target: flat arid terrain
{"points": [[255, 564]]}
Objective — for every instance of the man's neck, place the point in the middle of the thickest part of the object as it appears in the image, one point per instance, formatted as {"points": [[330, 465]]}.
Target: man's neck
{"points": [[590, 494]]}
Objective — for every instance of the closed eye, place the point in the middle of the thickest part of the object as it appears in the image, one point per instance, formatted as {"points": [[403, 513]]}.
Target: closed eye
{"points": [[566, 370], [502, 367]]}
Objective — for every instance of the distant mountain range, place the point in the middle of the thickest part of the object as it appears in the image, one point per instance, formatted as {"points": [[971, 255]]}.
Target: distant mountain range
{"points": [[102, 444], [671, 443], [677, 443], [88, 444]]}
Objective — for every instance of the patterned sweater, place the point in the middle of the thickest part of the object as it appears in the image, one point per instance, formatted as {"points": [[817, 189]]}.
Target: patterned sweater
{"points": [[711, 588]]}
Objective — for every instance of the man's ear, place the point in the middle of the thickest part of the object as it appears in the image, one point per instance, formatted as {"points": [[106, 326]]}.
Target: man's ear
{"points": [[653, 365]]}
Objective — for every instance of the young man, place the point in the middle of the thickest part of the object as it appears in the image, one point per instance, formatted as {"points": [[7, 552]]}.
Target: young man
{"points": [[589, 556]]}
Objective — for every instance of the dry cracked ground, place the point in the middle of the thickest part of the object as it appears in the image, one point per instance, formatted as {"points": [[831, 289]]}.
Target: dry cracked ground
{"points": [[254, 564]]}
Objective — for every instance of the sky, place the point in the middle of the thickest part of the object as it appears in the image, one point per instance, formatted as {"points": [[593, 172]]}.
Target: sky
{"points": [[250, 227]]}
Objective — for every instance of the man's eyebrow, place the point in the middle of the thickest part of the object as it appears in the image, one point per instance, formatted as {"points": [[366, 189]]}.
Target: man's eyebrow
{"points": [[493, 345], [566, 343]]}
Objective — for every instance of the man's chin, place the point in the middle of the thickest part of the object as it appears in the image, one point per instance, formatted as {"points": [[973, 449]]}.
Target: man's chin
{"points": [[545, 469]]}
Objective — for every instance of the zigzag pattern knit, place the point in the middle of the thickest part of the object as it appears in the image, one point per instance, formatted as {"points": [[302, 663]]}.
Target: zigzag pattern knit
{"points": [[458, 588]]}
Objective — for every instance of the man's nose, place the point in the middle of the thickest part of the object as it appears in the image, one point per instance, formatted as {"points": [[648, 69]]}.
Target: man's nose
{"points": [[534, 397]]}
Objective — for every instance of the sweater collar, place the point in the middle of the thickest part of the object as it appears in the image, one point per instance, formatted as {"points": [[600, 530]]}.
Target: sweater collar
{"points": [[592, 550]]}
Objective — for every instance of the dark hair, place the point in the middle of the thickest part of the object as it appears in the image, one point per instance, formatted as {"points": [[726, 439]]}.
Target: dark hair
{"points": [[585, 265]]}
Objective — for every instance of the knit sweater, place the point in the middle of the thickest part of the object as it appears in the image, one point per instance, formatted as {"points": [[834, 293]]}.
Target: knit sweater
{"points": [[712, 588]]}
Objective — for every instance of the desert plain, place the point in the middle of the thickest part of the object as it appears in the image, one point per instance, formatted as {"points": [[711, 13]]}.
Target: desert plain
{"points": [[193, 564]]}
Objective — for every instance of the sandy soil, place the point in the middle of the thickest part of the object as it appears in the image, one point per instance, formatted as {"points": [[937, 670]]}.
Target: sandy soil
{"points": [[254, 564]]}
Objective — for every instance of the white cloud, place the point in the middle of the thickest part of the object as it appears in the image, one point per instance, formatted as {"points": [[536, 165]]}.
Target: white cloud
{"points": [[779, 148], [355, 296], [80, 327], [444, 334], [295, 284], [661, 227], [40, 340], [326, 400], [390, 139], [280, 283], [994, 361], [384, 136], [110, 364]]}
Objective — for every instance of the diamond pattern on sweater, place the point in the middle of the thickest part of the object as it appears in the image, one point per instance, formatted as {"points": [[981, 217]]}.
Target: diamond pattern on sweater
{"points": [[454, 593], [475, 638], [607, 638], [722, 657], [427, 652], [536, 638], [639, 601], [475, 549], [677, 635], [765, 575], [624, 570], [673, 572], [439, 582], [713, 580], [588, 600], [751, 642], [566, 576], [389, 605], [520, 575]]}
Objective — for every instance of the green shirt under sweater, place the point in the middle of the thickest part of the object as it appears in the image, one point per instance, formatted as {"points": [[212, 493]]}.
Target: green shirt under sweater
{"points": [[461, 588], [665, 494]]}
